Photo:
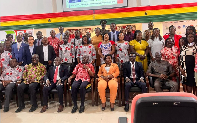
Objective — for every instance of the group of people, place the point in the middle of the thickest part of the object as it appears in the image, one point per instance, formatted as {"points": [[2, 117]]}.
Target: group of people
{"points": [[58, 58]]}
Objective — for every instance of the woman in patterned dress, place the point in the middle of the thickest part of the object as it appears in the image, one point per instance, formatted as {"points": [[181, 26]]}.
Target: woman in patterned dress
{"points": [[122, 48], [170, 53], [106, 47], [187, 58], [140, 48], [86, 49]]}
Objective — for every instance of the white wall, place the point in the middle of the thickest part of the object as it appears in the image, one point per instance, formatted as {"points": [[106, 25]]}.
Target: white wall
{"points": [[25, 7]]}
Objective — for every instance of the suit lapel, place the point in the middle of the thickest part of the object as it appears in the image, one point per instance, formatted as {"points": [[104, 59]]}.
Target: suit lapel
{"points": [[49, 52]]}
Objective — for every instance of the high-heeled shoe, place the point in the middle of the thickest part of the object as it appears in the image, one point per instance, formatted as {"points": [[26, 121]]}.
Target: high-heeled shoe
{"points": [[103, 108], [112, 109]]}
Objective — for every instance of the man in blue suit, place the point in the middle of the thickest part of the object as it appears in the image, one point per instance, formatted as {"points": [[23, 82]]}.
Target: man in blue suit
{"points": [[18, 49], [29, 51], [113, 35]]}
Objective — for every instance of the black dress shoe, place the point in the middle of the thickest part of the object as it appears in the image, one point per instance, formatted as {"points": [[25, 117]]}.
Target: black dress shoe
{"points": [[6, 109], [74, 109], [19, 109], [126, 107], [33, 108], [82, 108]]}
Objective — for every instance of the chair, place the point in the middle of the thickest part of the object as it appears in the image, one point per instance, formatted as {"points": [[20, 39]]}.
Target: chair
{"points": [[164, 107], [164, 87], [90, 89], [55, 91], [39, 90], [108, 91]]}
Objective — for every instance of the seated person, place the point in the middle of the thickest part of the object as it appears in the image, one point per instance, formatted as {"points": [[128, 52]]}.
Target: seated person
{"points": [[9, 77], [54, 79], [108, 74], [133, 74], [163, 72], [82, 72], [32, 74]]}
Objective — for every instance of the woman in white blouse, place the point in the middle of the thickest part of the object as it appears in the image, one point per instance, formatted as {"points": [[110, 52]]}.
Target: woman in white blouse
{"points": [[156, 43]]}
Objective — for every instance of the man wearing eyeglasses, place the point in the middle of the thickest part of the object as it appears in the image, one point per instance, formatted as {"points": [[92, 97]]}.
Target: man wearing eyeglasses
{"points": [[133, 75], [29, 50]]}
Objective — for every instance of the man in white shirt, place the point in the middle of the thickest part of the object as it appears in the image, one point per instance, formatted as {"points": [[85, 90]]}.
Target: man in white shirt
{"points": [[134, 75], [46, 53], [60, 35], [55, 79]]}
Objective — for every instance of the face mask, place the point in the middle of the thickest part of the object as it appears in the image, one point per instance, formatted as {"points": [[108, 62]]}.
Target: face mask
{"points": [[190, 44]]}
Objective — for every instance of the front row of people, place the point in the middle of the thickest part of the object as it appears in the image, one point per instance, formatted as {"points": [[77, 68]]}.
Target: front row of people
{"points": [[33, 73]]}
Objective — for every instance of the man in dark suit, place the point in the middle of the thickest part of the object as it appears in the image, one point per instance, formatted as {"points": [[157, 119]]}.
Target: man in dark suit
{"points": [[17, 50], [38, 41], [29, 51], [46, 53], [133, 74], [113, 35], [55, 78]]}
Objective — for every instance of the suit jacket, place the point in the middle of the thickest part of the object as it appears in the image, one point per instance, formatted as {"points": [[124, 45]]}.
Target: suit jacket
{"points": [[63, 73], [51, 53], [18, 54], [27, 55], [36, 42], [114, 70], [139, 71], [116, 33]]}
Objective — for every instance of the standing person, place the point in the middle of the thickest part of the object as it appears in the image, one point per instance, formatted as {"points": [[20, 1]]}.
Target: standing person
{"points": [[187, 58], [25, 38], [55, 42], [88, 34], [140, 48], [46, 53], [67, 53], [17, 50], [129, 35], [170, 53], [67, 33], [83, 71], [108, 74], [29, 51], [54, 79], [113, 35], [77, 41], [8, 79], [60, 35], [32, 75], [146, 35], [38, 41], [150, 26], [103, 27], [134, 75], [106, 47], [122, 48], [5, 57], [173, 35], [95, 42], [9, 37], [8, 46], [156, 43]]}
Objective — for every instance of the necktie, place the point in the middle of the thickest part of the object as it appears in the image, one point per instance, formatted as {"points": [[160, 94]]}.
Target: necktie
{"points": [[133, 72], [114, 37], [55, 75], [60, 37]]}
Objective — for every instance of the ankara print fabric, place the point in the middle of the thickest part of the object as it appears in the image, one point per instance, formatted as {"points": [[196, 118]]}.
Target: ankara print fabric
{"points": [[86, 50], [82, 73], [34, 72], [67, 53], [13, 74], [122, 51], [5, 58], [55, 42], [106, 49]]}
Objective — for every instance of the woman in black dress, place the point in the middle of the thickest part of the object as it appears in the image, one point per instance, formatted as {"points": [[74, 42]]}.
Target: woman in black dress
{"points": [[187, 58]]}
